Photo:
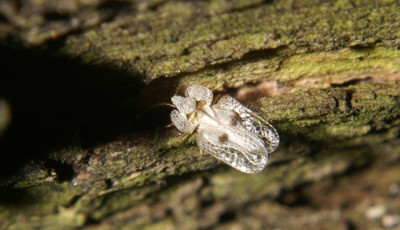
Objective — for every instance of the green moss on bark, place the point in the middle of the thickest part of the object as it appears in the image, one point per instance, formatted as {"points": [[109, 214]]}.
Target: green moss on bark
{"points": [[336, 106]]}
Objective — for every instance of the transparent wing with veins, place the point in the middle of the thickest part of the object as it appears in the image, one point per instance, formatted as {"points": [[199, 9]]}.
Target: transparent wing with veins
{"points": [[252, 122], [233, 145]]}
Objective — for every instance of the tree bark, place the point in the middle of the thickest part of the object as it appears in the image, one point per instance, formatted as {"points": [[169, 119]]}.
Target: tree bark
{"points": [[87, 145]]}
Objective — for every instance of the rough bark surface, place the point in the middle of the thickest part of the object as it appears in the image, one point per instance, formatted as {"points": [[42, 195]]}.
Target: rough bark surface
{"points": [[83, 137]]}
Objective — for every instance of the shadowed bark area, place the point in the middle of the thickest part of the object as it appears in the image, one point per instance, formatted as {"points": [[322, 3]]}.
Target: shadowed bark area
{"points": [[84, 142]]}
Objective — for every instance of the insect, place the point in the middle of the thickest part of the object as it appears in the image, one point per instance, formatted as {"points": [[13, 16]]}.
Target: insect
{"points": [[226, 129]]}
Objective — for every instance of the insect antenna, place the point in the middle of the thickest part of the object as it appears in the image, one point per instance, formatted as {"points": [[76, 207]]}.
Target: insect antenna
{"points": [[140, 115]]}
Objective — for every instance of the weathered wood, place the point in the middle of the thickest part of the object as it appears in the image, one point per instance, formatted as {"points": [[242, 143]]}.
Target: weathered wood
{"points": [[324, 73]]}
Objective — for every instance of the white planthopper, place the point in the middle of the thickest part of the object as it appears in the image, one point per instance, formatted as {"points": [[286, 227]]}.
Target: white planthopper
{"points": [[227, 129]]}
